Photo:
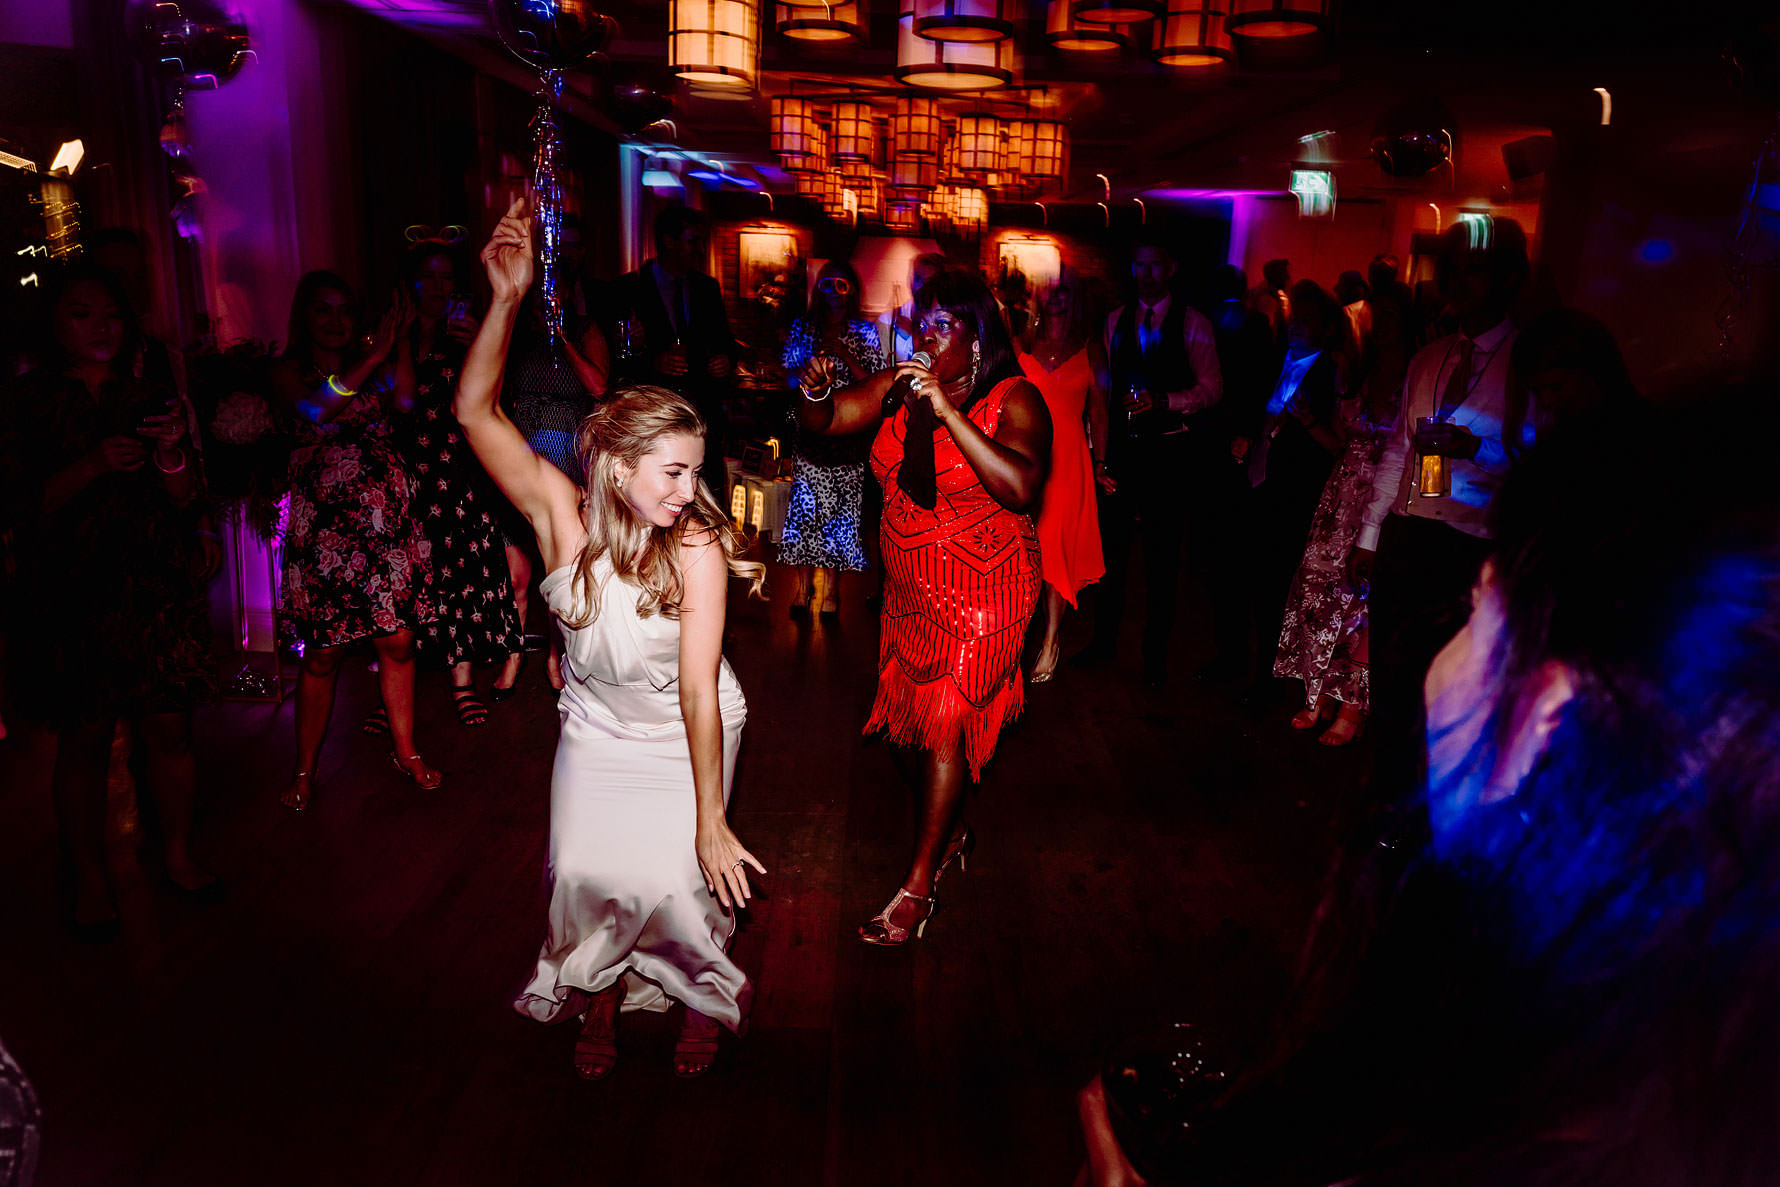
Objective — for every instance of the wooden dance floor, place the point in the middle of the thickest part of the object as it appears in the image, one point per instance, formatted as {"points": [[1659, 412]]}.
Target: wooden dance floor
{"points": [[342, 1016]]}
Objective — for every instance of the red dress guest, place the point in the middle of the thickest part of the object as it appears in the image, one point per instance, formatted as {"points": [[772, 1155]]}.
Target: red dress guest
{"points": [[961, 580], [1068, 367], [962, 458]]}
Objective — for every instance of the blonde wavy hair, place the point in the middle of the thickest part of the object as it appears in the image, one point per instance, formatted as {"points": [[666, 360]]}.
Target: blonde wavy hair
{"points": [[623, 431]]}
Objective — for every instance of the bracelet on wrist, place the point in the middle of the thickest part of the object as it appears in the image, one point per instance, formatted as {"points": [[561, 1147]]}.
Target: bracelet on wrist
{"points": [[167, 470], [823, 398], [339, 389]]}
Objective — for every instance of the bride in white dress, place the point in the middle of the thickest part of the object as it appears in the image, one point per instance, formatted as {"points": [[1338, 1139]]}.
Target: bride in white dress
{"points": [[644, 870]]}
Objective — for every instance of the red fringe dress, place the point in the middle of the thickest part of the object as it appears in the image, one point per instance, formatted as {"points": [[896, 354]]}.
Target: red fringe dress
{"points": [[961, 582]]}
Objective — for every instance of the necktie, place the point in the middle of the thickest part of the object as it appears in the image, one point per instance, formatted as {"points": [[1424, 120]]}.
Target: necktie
{"points": [[1458, 384], [679, 310], [1147, 337]]}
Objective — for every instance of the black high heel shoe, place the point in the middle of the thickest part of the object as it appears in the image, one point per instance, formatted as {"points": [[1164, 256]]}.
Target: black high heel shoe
{"points": [[497, 694]]}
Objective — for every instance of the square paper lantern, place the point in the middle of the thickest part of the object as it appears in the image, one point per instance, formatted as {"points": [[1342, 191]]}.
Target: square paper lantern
{"points": [[715, 44]]}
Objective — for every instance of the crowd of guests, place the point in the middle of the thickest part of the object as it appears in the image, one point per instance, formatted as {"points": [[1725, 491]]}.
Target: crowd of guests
{"points": [[1393, 509]]}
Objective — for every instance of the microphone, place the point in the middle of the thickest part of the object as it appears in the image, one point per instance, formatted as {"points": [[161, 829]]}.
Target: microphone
{"points": [[900, 389]]}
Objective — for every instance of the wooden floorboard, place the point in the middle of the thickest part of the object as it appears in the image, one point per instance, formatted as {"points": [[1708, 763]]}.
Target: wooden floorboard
{"points": [[342, 1016]]}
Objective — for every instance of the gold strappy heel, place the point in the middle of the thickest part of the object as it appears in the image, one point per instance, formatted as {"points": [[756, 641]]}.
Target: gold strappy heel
{"points": [[883, 930]]}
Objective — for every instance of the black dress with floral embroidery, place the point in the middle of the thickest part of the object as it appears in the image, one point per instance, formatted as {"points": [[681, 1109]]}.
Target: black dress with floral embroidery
{"points": [[111, 620], [356, 562], [459, 508]]}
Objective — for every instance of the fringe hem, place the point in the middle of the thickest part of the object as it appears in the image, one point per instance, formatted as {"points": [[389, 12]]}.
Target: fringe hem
{"points": [[934, 715]]}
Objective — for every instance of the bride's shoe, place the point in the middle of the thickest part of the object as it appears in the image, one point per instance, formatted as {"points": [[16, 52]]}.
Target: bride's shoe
{"points": [[696, 1048], [904, 913], [596, 1047]]}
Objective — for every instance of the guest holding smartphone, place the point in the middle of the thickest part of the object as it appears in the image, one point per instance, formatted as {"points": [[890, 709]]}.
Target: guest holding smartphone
{"points": [[101, 482]]}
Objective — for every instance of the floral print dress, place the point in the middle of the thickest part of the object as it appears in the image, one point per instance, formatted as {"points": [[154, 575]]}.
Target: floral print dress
{"points": [[828, 473], [458, 507], [1326, 618], [356, 562]]}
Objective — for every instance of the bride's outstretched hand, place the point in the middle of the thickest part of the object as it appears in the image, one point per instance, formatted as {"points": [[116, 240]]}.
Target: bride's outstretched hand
{"points": [[508, 256], [724, 863]]}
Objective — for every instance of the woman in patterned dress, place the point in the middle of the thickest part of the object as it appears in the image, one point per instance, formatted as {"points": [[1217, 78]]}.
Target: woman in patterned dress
{"points": [[454, 500], [356, 562], [821, 536], [1323, 640], [962, 461]]}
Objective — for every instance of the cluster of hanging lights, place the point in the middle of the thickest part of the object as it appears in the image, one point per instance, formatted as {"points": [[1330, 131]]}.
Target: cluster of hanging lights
{"points": [[902, 161], [1181, 34]]}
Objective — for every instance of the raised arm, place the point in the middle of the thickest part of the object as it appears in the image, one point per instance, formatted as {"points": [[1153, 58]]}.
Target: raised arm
{"points": [[850, 409], [541, 492], [703, 605]]}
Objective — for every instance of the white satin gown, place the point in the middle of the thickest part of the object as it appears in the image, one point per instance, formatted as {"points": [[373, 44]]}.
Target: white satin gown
{"points": [[626, 895]]}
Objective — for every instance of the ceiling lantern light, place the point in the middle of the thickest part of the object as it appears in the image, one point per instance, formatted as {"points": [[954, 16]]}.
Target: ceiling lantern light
{"points": [[1115, 12], [793, 126], [1192, 35], [964, 20], [813, 161], [852, 132], [970, 211], [822, 22], [912, 174], [1276, 18], [1040, 147], [1066, 33], [950, 65], [902, 216], [979, 144], [915, 128], [715, 44]]}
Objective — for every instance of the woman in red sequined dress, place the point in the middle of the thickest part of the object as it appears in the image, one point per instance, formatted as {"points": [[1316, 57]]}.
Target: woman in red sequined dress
{"points": [[962, 459]]}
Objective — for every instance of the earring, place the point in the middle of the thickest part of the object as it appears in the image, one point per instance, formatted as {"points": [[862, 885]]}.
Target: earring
{"points": [[976, 362]]}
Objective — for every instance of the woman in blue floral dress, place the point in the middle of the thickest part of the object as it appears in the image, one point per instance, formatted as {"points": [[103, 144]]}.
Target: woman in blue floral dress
{"points": [[821, 534]]}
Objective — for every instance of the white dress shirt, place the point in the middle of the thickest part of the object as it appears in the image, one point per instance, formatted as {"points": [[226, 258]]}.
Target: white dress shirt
{"points": [[1474, 480], [1202, 351], [896, 332]]}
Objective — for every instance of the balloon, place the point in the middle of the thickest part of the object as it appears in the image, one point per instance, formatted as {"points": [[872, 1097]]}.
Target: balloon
{"points": [[552, 34], [193, 42], [636, 106], [1414, 138]]}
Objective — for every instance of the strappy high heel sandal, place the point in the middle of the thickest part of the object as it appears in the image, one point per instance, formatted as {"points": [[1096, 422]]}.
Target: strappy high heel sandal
{"points": [[1349, 724], [596, 1047], [291, 800], [1309, 719], [883, 929], [470, 709], [696, 1048], [428, 781], [958, 850]]}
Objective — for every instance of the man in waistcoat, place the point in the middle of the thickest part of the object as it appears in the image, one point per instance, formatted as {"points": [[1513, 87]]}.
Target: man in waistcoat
{"points": [[679, 330], [1164, 369]]}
